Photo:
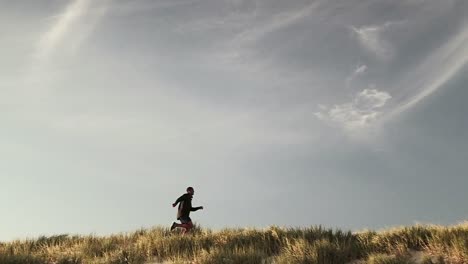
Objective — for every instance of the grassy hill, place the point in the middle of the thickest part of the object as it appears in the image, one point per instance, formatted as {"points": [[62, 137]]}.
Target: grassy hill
{"points": [[415, 244]]}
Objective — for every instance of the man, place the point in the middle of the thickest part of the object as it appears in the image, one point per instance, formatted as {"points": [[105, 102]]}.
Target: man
{"points": [[183, 213]]}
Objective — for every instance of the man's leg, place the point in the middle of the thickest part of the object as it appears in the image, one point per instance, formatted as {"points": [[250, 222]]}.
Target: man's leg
{"points": [[186, 224], [187, 227], [175, 225]]}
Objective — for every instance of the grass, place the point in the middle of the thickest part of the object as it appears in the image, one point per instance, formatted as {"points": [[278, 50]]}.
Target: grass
{"points": [[271, 245]]}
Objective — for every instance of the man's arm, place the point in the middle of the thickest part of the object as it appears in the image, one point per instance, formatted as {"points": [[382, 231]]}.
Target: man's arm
{"points": [[180, 199], [193, 209]]}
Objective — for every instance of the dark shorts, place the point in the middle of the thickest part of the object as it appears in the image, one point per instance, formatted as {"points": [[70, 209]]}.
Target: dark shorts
{"points": [[185, 219]]}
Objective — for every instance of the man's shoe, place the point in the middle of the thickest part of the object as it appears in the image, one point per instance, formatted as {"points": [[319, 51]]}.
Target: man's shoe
{"points": [[173, 226]]}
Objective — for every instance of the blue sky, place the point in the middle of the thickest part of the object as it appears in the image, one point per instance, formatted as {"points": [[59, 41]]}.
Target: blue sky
{"points": [[348, 114]]}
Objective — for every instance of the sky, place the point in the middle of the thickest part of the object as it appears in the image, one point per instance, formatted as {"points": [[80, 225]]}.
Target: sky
{"points": [[347, 114]]}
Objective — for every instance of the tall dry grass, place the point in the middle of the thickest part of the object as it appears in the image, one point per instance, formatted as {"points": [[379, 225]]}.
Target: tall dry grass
{"points": [[271, 245]]}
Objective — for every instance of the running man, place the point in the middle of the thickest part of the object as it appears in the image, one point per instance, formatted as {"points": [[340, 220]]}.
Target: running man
{"points": [[183, 213]]}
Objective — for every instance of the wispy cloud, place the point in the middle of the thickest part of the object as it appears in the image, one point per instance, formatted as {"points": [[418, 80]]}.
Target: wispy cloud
{"points": [[130, 7], [436, 70], [277, 22], [66, 32], [363, 110], [61, 27], [372, 39], [360, 70]]}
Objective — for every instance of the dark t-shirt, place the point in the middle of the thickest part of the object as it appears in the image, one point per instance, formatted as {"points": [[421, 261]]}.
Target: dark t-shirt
{"points": [[185, 206]]}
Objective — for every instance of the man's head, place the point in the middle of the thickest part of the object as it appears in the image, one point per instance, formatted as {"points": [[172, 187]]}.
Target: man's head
{"points": [[190, 190]]}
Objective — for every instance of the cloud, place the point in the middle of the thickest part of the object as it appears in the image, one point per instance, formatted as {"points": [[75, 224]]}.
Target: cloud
{"points": [[64, 36], [436, 70], [371, 99], [249, 26], [59, 30], [363, 110], [372, 39], [72, 26], [277, 22], [129, 7], [360, 70]]}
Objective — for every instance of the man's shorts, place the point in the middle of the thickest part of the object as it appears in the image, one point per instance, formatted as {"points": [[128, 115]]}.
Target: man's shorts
{"points": [[185, 219]]}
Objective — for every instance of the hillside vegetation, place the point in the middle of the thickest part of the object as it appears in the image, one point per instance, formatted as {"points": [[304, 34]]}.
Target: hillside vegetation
{"points": [[415, 244]]}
